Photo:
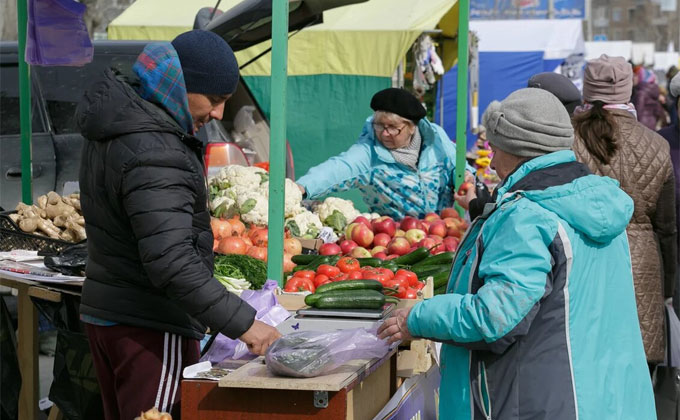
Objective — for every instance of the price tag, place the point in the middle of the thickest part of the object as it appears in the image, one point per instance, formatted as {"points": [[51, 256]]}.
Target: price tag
{"points": [[327, 235]]}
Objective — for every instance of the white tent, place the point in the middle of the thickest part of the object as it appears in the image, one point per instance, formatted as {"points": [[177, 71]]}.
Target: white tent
{"points": [[611, 48]]}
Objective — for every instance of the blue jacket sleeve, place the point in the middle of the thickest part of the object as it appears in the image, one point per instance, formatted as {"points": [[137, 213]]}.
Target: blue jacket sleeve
{"points": [[450, 149], [339, 173], [515, 269]]}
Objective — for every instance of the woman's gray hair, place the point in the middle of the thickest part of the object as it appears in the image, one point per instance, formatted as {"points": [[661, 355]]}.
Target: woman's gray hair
{"points": [[392, 116]]}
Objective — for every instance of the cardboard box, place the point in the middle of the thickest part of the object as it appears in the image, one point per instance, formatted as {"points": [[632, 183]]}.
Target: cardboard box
{"points": [[310, 245]]}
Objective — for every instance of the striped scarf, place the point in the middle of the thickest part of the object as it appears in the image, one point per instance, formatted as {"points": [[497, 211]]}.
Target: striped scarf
{"points": [[408, 155]]}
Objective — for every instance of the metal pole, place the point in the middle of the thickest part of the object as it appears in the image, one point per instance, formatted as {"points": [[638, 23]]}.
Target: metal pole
{"points": [[277, 140], [24, 105], [462, 92]]}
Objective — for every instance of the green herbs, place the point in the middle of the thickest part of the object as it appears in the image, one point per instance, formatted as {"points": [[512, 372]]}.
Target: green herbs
{"points": [[242, 267]]}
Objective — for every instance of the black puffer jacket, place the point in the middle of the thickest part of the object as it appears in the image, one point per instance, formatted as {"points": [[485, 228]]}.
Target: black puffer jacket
{"points": [[144, 199]]}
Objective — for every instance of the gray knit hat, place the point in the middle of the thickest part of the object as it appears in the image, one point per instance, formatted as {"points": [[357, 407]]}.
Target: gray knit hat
{"points": [[530, 122], [675, 85]]}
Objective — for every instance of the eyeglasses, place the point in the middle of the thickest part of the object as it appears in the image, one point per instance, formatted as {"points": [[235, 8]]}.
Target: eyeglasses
{"points": [[392, 131]]}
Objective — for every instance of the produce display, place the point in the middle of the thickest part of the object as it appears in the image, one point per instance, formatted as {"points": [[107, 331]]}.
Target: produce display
{"points": [[53, 216], [154, 414]]}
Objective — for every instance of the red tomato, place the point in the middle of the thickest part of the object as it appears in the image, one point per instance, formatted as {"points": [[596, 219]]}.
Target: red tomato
{"points": [[410, 293], [410, 276], [371, 273], [308, 274], [387, 272], [329, 270], [347, 264], [355, 275], [419, 285], [399, 281], [298, 284], [339, 277], [320, 279]]}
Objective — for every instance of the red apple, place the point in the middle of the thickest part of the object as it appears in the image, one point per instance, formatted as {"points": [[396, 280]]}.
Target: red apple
{"points": [[380, 256], [362, 235], [360, 252], [410, 223], [436, 238], [378, 249], [438, 228], [350, 228], [431, 217], [364, 221], [451, 243], [392, 256], [464, 187], [385, 224], [330, 249], [424, 225], [399, 233], [347, 246], [450, 212], [415, 235], [454, 232], [381, 239], [399, 246], [427, 243]]}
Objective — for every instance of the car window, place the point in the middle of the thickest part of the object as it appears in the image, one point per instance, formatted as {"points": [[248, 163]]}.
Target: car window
{"points": [[9, 103]]}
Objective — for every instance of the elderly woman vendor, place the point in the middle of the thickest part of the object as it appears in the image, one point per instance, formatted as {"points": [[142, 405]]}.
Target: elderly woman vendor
{"points": [[402, 163]]}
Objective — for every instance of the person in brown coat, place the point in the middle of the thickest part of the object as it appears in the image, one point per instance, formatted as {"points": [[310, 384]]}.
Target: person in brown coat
{"points": [[611, 141]]}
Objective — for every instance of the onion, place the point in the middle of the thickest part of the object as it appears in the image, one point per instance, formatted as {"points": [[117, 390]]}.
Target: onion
{"points": [[257, 252], [220, 228], [292, 246], [232, 245], [288, 264], [260, 237], [247, 241], [237, 226]]}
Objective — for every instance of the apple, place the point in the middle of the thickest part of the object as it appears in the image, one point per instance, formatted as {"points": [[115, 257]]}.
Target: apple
{"points": [[378, 249], [410, 223], [362, 235], [426, 243], [398, 246], [415, 235], [399, 233], [350, 228], [464, 187], [330, 249], [451, 243], [364, 221], [431, 217], [424, 225], [381, 239], [347, 246], [454, 232], [360, 252], [438, 228], [385, 224], [392, 256], [380, 255], [450, 212], [436, 238]]}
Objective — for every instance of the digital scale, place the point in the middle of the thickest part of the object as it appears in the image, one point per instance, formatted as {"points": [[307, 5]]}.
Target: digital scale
{"points": [[312, 319]]}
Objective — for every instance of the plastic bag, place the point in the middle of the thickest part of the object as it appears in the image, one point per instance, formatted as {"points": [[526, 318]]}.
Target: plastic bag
{"points": [[268, 311], [71, 261], [306, 354], [57, 34]]}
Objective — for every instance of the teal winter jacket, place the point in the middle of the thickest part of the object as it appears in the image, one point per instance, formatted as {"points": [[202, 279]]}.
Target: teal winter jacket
{"points": [[388, 187], [539, 320]]}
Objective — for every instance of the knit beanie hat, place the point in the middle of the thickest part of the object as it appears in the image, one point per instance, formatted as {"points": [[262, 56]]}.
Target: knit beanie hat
{"points": [[530, 122], [675, 85], [400, 102], [208, 63], [608, 79], [560, 86]]}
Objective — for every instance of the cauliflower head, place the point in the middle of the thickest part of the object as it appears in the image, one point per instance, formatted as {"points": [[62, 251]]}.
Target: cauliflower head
{"points": [[330, 204], [304, 224]]}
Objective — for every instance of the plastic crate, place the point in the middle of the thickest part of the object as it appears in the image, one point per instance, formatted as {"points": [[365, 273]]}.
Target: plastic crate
{"points": [[11, 238]]}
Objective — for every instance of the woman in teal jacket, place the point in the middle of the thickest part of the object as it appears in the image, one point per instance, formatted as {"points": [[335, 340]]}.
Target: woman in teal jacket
{"points": [[539, 320], [403, 164]]}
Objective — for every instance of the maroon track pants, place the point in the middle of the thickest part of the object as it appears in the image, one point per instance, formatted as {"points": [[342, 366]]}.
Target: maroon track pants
{"points": [[139, 368]]}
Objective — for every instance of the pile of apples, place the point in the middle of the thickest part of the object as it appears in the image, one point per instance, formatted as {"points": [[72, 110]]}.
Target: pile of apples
{"points": [[385, 238]]}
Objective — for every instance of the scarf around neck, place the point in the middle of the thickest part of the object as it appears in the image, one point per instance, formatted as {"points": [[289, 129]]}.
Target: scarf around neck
{"points": [[408, 155]]}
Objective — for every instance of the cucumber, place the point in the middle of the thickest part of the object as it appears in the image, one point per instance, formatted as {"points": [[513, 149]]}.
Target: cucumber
{"points": [[443, 258], [441, 279], [350, 285], [412, 257], [440, 290], [430, 270], [303, 259], [370, 262], [317, 261], [351, 299], [390, 265]]}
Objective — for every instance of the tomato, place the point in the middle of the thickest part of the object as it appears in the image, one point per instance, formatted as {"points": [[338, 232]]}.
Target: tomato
{"points": [[371, 273], [410, 276], [308, 274], [298, 284], [347, 264], [419, 285], [386, 271], [321, 279], [355, 275], [399, 281], [410, 293], [339, 277], [328, 270]]}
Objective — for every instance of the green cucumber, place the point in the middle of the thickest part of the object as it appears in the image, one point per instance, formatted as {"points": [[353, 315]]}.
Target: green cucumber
{"points": [[412, 257], [441, 279], [317, 261], [370, 262], [440, 290], [443, 258], [303, 259], [430, 270], [350, 285], [390, 265], [351, 299]]}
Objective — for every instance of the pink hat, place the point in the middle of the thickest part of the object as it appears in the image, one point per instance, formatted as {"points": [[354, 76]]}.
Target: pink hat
{"points": [[608, 79]]}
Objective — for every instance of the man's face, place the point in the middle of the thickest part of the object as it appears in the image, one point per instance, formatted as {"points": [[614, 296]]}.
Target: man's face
{"points": [[204, 108], [504, 163]]}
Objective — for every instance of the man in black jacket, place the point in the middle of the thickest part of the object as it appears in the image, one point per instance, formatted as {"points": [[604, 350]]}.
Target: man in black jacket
{"points": [[150, 293]]}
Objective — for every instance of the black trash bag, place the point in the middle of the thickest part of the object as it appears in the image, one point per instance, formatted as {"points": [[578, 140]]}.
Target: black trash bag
{"points": [[71, 261], [10, 376]]}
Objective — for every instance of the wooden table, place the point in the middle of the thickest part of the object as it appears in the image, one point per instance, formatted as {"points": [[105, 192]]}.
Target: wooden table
{"points": [[357, 390], [27, 337]]}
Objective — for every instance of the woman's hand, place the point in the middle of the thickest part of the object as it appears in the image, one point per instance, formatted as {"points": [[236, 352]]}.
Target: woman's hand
{"points": [[395, 328], [470, 194], [302, 189]]}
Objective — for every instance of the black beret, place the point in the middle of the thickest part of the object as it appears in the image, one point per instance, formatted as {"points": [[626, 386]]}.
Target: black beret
{"points": [[560, 86], [400, 102]]}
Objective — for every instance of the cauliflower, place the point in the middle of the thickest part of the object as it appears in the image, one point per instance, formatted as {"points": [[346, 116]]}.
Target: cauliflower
{"points": [[232, 175], [223, 206], [346, 207], [292, 200], [370, 216], [304, 224], [253, 207]]}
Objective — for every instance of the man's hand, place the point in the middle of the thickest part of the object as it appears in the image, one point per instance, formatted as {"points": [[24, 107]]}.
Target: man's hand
{"points": [[259, 337], [395, 328], [471, 193]]}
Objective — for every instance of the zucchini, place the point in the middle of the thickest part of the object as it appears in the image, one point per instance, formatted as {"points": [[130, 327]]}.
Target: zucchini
{"points": [[443, 258], [430, 270], [412, 257], [351, 299], [350, 285], [303, 259], [370, 262]]}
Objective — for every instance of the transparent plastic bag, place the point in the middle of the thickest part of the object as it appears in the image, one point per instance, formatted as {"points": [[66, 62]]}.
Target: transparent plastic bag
{"points": [[306, 354]]}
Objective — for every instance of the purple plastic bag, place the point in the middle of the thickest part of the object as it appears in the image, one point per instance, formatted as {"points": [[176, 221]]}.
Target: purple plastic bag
{"points": [[268, 311], [306, 354], [57, 34]]}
